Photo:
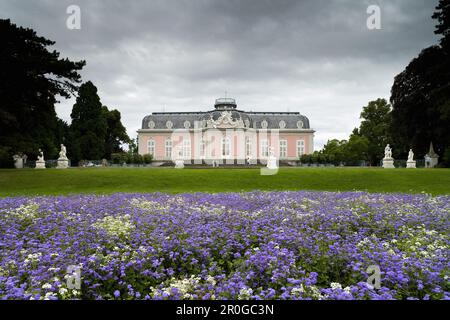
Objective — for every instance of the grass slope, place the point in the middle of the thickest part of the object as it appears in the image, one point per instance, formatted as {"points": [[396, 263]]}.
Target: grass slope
{"points": [[108, 180]]}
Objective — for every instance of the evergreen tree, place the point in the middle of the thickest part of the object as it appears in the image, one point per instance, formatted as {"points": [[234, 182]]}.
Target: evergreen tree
{"points": [[116, 134], [30, 78], [89, 126]]}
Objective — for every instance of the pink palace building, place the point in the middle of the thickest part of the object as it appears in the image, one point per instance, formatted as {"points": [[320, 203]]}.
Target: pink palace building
{"points": [[225, 134]]}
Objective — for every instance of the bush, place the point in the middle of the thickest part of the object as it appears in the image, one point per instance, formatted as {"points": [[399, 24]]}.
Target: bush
{"points": [[148, 158], [6, 160]]}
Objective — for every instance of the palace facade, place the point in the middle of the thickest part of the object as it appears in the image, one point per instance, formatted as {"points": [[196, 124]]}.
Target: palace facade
{"points": [[226, 134]]}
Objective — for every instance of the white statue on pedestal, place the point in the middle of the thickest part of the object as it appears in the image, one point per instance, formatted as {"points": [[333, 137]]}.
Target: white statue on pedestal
{"points": [[411, 163], [272, 160], [387, 152], [388, 161], [63, 161], [40, 163], [179, 162]]}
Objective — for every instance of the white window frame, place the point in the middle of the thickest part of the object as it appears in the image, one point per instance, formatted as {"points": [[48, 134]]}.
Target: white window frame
{"points": [[151, 147], [283, 148], [264, 148], [226, 147], [168, 148], [186, 148], [300, 147], [248, 146]]}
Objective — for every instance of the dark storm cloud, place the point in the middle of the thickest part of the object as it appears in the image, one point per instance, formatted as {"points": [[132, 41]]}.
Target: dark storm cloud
{"points": [[316, 57]]}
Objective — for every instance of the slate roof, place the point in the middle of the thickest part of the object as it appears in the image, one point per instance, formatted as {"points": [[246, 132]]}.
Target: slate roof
{"points": [[292, 120]]}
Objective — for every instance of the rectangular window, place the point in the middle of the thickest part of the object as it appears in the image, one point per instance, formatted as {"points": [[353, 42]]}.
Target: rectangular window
{"points": [[226, 147], [169, 148], [248, 146], [151, 147], [186, 150], [264, 148], [300, 147], [202, 148], [283, 148]]}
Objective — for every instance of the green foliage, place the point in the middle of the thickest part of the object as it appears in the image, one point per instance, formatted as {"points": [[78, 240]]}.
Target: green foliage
{"points": [[420, 95], [375, 128], [30, 78], [116, 134], [89, 126], [147, 158]]}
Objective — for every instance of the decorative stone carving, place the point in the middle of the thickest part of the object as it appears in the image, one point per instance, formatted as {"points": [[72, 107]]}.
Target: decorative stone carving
{"points": [[410, 163], [300, 124], [151, 124], [169, 124], [388, 161], [179, 162], [282, 124], [40, 163], [225, 120], [63, 161], [187, 124], [247, 123]]}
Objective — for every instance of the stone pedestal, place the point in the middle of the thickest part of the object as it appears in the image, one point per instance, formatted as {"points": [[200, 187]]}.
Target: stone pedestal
{"points": [[388, 163], [40, 164], [179, 164], [62, 164], [411, 164], [272, 163]]}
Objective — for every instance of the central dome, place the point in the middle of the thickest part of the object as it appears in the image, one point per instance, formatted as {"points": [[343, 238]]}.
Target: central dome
{"points": [[225, 104]]}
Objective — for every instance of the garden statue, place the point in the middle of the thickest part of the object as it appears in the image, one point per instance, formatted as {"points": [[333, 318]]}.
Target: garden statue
{"points": [[19, 160], [388, 161], [387, 152], [411, 163], [63, 162], [40, 163], [272, 160], [179, 162]]}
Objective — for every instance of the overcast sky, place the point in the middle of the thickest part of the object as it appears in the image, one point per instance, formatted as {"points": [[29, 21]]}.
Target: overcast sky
{"points": [[316, 57]]}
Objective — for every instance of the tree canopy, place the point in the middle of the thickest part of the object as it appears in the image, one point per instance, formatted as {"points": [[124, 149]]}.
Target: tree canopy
{"points": [[31, 77], [420, 96]]}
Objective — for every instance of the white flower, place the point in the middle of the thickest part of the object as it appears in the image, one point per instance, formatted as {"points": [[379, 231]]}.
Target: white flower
{"points": [[46, 286], [335, 285], [62, 291]]}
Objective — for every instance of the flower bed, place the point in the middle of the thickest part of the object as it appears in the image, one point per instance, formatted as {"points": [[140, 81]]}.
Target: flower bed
{"points": [[257, 245]]}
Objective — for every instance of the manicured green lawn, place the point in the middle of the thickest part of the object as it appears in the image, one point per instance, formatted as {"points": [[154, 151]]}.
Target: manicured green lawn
{"points": [[108, 180]]}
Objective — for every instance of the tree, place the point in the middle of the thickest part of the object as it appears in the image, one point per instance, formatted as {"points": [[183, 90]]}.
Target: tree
{"points": [[356, 149], [89, 126], [420, 96], [442, 15], [30, 78], [375, 127], [116, 134], [334, 151]]}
